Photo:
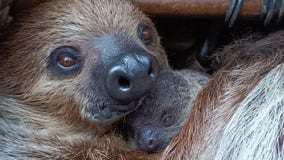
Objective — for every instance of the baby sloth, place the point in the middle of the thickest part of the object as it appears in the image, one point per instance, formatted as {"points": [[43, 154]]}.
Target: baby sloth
{"points": [[163, 113]]}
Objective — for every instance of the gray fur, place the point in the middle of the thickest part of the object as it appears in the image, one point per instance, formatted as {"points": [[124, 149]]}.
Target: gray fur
{"points": [[174, 94]]}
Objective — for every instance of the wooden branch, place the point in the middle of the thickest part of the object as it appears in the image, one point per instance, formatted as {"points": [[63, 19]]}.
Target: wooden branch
{"points": [[197, 8]]}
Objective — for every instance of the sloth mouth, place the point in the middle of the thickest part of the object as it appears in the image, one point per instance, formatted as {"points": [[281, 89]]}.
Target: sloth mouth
{"points": [[109, 112], [128, 107]]}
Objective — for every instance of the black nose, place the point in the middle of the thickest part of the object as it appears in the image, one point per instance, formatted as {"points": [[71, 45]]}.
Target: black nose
{"points": [[131, 76], [148, 140]]}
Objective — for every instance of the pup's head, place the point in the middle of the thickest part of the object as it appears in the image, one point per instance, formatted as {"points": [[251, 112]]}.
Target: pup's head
{"points": [[166, 109], [92, 58]]}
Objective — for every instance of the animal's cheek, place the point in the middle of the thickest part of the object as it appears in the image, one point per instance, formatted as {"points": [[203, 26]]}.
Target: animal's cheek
{"points": [[159, 52], [52, 88], [168, 134]]}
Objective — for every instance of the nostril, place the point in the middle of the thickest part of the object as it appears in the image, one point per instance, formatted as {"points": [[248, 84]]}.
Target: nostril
{"points": [[150, 72], [148, 139], [124, 83], [154, 69], [151, 143], [131, 77]]}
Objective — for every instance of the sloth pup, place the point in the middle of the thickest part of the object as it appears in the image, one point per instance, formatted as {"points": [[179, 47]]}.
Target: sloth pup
{"points": [[163, 112]]}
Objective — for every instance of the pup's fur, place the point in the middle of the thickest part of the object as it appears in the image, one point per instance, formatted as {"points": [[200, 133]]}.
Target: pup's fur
{"points": [[165, 110], [240, 114], [46, 117]]}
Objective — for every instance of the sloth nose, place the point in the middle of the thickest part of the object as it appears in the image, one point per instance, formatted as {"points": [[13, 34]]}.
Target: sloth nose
{"points": [[148, 139], [131, 76]]}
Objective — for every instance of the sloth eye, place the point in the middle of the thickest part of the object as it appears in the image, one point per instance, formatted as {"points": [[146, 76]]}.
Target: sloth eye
{"points": [[145, 34], [167, 120], [64, 60]]}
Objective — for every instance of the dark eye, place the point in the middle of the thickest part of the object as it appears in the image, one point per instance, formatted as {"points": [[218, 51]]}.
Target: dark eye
{"points": [[167, 120], [145, 34], [64, 60], [67, 61]]}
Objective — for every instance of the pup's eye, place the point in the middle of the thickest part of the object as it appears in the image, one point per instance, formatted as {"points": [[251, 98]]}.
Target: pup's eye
{"points": [[145, 33], [64, 60], [167, 120]]}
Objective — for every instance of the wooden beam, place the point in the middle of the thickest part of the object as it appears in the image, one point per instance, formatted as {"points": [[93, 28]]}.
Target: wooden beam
{"points": [[197, 8]]}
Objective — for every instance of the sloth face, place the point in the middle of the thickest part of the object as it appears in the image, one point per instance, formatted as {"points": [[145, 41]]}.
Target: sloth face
{"points": [[94, 58]]}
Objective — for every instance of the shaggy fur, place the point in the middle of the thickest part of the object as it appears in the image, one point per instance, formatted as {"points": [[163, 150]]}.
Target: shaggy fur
{"points": [[5, 18], [240, 114], [172, 97], [45, 116]]}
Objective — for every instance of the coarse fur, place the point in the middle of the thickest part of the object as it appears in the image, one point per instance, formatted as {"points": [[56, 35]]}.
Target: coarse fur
{"points": [[229, 120], [49, 116], [240, 113], [5, 18], [165, 110]]}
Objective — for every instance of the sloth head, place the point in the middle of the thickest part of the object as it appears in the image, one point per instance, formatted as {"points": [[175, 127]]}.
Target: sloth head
{"points": [[92, 58], [165, 110]]}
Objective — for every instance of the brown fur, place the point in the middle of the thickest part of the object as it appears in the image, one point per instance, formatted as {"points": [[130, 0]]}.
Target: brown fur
{"points": [[43, 116], [242, 66], [43, 120]]}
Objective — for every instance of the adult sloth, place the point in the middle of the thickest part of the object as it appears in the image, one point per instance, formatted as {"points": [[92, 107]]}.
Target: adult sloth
{"points": [[240, 114], [68, 71]]}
